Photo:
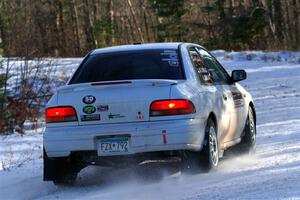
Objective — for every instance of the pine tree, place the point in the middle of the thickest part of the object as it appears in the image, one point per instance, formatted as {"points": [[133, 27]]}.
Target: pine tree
{"points": [[3, 101], [169, 13]]}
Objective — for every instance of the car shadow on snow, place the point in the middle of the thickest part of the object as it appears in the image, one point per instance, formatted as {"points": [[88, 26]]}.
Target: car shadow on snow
{"points": [[148, 173], [145, 173]]}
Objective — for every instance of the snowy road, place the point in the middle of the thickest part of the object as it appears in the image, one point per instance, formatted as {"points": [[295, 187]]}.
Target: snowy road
{"points": [[273, 173]]}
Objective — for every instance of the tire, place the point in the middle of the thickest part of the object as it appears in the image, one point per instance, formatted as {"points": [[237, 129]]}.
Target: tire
{"points": [[209, 156], [61, 170], [248, 143]]}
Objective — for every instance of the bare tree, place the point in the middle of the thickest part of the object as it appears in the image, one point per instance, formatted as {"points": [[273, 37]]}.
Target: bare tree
{"points": [[87, 26], [74, 19], [296, 24]]}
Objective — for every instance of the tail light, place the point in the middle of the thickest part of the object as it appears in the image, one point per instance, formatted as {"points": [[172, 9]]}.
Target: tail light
{"points": [[61, 114], [171, 107]]}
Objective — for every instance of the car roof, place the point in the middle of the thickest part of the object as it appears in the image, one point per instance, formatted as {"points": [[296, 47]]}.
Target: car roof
{"points": [[136, 47]]}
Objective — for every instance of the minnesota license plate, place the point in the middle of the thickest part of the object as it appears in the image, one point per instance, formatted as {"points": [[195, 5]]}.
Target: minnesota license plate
{"points": [[113, 146]]}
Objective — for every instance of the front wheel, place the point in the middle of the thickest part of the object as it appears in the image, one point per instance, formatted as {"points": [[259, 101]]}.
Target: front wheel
{"points": [[248, 143]]}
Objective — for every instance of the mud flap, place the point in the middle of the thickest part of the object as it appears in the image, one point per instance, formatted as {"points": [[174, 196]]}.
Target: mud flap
{"points": [[55, 168]]}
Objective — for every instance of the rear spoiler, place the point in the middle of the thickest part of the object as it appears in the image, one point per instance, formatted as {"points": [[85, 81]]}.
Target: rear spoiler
{"points": [[142, 82]]}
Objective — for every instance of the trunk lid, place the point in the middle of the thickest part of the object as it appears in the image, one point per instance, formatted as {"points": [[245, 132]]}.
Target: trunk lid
{"points": [[114, 101]]}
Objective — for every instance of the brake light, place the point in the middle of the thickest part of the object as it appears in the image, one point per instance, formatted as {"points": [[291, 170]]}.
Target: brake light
{"points": [[111, 83], [171, 107], [61, 114]]}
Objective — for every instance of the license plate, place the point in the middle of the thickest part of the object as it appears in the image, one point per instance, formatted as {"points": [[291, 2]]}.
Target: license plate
{"points": [[113, 146]]}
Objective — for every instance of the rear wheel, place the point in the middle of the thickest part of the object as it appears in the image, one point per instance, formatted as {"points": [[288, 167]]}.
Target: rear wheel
{"points": [[209, 156], [60, 170]]}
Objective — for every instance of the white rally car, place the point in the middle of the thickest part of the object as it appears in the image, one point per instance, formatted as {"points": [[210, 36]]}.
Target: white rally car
{"points": [[144, 101]]}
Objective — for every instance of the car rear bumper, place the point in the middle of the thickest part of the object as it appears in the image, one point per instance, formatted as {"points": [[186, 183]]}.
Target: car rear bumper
{"points": [[183, 134]]}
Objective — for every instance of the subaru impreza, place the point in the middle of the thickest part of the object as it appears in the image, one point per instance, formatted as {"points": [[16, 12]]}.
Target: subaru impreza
{"points": [[145, 101]]}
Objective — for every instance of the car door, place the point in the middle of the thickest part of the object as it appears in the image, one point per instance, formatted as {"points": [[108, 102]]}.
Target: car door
{"points": [[236, 105], [215, 90], [225, 98]]}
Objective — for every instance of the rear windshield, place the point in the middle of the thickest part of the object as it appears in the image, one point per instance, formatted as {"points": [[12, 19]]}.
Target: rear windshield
{"points": [[146, 64]]}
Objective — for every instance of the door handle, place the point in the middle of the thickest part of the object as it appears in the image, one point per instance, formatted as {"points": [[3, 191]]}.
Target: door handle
{"points": [[224, 97]]}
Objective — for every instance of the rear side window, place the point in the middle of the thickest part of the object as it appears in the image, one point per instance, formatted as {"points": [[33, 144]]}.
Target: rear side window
{"points": [[216, 71], [199, 65], [129, 65]]}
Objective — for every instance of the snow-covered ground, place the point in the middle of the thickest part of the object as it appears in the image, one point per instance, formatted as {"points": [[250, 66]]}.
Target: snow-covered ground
{"points": [[273, 173]]}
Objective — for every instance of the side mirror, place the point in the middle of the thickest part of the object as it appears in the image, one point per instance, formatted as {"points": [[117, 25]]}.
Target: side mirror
{"points": [[238, 75]]}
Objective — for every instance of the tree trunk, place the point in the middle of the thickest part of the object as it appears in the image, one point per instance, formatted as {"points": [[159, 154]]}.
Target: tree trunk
{"points": [[112, 21], [135, 21], [145, 19], [95, 15], [296, 25], [42, 31], [288, 26], [87, 27], [278, 19], [75, 25], [61, 28]]}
